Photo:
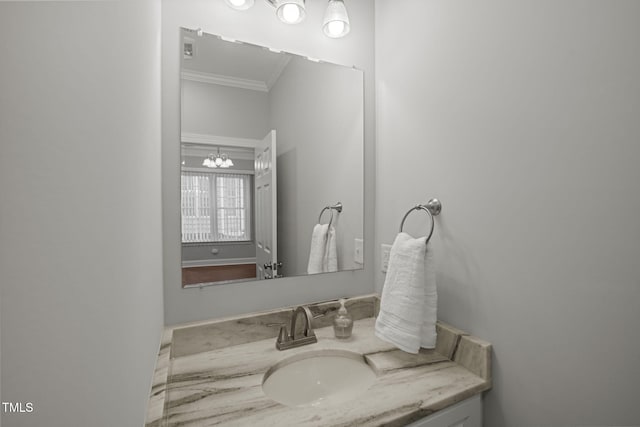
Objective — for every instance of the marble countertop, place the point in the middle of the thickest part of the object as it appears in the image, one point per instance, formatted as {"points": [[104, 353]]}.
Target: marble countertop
{"points": [[223, 386]]}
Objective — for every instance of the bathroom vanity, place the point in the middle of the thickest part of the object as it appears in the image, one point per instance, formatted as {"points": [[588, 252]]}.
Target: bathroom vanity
{"points": [[211, 373]]}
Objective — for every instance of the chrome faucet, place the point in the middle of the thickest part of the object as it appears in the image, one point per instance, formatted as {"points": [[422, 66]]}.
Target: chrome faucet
{"points": [[287, 340]]}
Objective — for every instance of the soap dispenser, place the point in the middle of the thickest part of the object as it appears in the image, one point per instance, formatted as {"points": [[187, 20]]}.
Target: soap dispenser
{"points": [[342, 323]]}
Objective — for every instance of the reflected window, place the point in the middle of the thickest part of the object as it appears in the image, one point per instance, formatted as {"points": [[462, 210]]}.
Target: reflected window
{"points": [[216, 207]]}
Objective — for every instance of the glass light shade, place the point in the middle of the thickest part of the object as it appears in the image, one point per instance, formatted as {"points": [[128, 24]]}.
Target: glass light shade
{"points": [[291, 11], [208, 162], [336, 20], [239, 4], [225, 161]]}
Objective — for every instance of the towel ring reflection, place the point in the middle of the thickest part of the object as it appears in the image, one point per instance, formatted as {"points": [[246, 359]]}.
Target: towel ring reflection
{"points": [[337, 207], [433, 207]]}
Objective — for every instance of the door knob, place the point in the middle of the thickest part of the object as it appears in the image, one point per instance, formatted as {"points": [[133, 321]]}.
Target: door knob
{"points": [[273, 265]]}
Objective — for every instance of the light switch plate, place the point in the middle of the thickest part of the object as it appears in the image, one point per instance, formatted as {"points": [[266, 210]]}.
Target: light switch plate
{"points": [[358, 251], [385, 252]]}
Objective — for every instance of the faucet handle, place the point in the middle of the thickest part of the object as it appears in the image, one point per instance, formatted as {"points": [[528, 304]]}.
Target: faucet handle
{"points": [[271, 325], [283, 335]]}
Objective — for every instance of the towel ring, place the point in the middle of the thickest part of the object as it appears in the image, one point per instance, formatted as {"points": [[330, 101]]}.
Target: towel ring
{"points": [[433, 207], [336, 207]]}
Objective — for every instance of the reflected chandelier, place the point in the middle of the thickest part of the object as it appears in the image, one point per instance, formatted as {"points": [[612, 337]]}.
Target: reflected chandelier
{"points": [[217, 160], [335, 23]]}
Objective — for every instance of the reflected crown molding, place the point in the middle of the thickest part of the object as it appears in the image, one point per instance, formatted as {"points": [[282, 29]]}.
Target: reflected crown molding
{"points": [[217, 79], [238, 82], [227, 141]]}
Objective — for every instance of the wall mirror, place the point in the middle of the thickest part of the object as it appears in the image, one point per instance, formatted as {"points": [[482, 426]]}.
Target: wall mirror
{"points": [[272, 163]]}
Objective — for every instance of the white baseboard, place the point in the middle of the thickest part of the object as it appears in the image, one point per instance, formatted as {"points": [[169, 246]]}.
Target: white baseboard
{"points": [[216, 262]]}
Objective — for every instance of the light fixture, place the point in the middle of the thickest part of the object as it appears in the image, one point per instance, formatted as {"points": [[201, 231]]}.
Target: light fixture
{"points": [[336, 20], [290, 11], [217, 160], [335, 23], [239, 4]]}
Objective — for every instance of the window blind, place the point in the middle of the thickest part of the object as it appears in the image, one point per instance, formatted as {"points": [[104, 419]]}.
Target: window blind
{"points": [[216, 207]]}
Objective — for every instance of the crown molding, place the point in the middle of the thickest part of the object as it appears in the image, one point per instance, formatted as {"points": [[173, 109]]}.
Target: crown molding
{"points": [[217, 79], [227, 141]]}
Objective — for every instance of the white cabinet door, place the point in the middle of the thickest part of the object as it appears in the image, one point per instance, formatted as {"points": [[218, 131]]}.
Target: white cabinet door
{"points": [[467, 413]]}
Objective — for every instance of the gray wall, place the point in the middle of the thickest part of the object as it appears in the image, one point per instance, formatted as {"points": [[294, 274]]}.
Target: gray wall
{"points": [[259, 26], [224, 111], [317, 110], [522, 117], [80, 241]]}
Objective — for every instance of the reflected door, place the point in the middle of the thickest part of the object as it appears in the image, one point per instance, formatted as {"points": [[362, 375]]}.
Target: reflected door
{"points": [[266, 207]]}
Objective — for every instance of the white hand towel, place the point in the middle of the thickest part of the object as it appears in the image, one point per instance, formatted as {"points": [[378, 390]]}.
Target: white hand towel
{"points": [[430, 313], [318, 249], [408, 307], [331, 254]]}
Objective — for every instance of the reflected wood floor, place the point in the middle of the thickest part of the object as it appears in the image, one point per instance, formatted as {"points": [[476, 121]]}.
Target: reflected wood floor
{"points": [[218, 273]]}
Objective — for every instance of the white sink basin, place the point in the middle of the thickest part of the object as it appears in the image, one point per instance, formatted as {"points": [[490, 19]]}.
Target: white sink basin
{"points": [[318, 378]]}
